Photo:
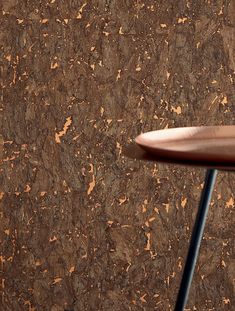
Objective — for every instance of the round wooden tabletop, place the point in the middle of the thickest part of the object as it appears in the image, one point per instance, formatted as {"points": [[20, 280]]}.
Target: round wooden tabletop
{"points": [[210, 146]]}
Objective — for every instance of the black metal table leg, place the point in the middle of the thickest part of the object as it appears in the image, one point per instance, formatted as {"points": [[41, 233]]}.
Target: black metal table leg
{"points": [[196, 239]]}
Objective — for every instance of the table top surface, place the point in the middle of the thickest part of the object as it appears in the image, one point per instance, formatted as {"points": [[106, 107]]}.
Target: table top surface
{"points": [[207, 146]]}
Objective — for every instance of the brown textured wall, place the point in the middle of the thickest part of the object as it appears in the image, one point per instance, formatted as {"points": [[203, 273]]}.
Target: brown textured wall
{"points": [[83, 227]]}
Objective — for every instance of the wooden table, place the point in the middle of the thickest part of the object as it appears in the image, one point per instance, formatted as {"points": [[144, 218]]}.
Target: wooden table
{"points": [[212, 147]]}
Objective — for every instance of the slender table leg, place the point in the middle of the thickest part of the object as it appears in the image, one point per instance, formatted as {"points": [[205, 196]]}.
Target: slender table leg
{"points": [[196, 239]]}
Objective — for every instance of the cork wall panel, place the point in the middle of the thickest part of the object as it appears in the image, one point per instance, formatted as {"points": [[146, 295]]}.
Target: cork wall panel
{"points": [[82, 226]]}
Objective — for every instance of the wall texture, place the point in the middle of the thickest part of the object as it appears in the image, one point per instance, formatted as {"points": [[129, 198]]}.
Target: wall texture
{"points": [[83, 227]]}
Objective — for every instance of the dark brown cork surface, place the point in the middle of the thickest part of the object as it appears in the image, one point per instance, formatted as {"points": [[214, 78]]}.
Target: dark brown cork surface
{"points": [[82, 226]]}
